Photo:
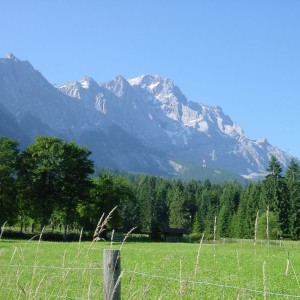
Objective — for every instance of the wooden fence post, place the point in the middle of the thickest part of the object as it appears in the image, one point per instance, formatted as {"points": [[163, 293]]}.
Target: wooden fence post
{"points": [[112, 271]]}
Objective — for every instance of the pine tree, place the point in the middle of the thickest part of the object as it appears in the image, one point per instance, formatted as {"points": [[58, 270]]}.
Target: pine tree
{"points": [[179, 216], [292, 180], [196, 231], [274, 194], [229, 204], [8, 167]]}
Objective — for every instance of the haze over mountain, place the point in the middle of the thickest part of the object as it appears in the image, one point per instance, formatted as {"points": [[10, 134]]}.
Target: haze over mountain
{"points": [[144, 124]]}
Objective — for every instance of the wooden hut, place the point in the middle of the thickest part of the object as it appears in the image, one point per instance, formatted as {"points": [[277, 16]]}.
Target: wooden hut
{"points": [[172, 235]]}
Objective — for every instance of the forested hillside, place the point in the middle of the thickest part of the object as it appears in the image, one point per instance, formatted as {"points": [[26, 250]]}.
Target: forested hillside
{"points": [[52, 183]]}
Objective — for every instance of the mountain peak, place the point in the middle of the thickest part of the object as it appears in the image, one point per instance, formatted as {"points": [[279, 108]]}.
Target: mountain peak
{"points": [[118, 86], [145, 80], [12, 57], [151, 111], [86, 82]]}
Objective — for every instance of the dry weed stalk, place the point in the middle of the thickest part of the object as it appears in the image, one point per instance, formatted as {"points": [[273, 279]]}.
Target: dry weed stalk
{"points": [[117, 283], [115, 266], [80, 235], [112, 238], [180, 279], [238, 260], [126, 236], [267, 230], [264, 280], [2, 229], [215, 231], [255, 230], [198, 256], [101, 224], [287, 265]]}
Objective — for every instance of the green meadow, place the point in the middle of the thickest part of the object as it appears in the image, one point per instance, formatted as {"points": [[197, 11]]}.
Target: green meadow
{"points": [[225, 270]]}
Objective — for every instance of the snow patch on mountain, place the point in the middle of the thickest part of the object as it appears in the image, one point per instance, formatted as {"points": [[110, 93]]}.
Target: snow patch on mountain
{"points": [[160, 124]]}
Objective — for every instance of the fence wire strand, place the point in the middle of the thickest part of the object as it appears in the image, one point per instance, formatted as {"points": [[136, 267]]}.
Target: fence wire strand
{"points": [[53, 268], [213, 284], [249, 290]]}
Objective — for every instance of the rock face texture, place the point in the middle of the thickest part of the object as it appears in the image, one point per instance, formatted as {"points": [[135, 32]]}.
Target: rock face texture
{"points": [[144, 124]]}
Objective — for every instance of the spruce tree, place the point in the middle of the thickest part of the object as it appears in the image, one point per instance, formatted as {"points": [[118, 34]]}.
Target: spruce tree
{"points": [[292, 180], [274, 194], [8, 167], [179, 216]]}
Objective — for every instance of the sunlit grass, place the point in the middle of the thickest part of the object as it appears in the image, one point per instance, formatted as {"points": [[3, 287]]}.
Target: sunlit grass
{"points": [[49, 270]]}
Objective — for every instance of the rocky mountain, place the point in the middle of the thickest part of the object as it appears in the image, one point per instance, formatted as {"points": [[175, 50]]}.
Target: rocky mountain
{"points": [[10, 127], [144, 124]]}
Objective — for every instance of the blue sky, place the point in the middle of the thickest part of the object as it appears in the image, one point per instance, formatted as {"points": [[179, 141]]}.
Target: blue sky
{"points": [[241, 55]]}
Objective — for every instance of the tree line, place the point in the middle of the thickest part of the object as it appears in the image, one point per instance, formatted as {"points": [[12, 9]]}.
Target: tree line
{"points": [[53, 183]]}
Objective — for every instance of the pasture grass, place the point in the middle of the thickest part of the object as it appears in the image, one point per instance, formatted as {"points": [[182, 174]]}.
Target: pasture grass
{"points": [[52, 270]]}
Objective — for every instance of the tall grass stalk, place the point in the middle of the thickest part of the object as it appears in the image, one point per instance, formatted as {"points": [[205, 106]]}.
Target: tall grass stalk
{"points": [[238, 260], [101, 225], [264, 280], [35, 264], [294, 271], [126, 237], [255, 230], [287, 266], [215, 231], [198, 256], [117, 283], [180, 278], [267, 229], [112, 238], [2, 229], [89, 290]]}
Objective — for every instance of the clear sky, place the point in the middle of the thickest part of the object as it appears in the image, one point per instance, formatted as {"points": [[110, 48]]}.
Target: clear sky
{"points": [[241, 55]]}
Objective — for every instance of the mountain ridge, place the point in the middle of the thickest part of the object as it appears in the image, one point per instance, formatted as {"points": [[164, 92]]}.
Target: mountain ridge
{"points": [[164, 127]]}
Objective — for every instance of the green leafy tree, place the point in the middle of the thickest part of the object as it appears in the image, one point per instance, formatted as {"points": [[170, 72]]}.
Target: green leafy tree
{"points": [[128, 203], [74, 183], [53, 175], [39, 177], [110, 190], [268, 226], [8, 167]]}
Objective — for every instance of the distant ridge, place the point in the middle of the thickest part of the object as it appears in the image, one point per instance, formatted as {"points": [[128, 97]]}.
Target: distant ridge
{"points": [[145, 124]]}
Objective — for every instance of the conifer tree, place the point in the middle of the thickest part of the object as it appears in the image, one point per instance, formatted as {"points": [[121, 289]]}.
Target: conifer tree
{"points": [[229, 204], [274, 194], [8, 167], [179, 216], [292, 180]]}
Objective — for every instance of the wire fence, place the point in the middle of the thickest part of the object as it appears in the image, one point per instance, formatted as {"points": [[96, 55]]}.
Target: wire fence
{"points": [[186, 281], [63, 295]]}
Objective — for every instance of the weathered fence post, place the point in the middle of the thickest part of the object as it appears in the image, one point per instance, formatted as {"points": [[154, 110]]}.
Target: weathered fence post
{"points": [[112, 271]]}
